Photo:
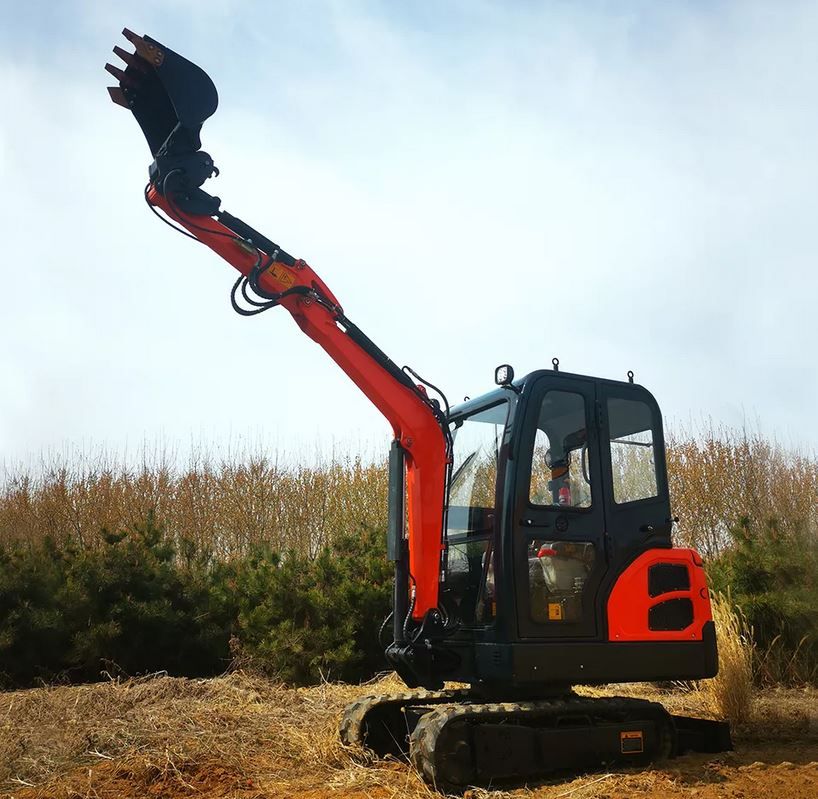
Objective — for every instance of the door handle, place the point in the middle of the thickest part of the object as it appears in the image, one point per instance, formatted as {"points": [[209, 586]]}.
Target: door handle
{"points": [[649, 528]]}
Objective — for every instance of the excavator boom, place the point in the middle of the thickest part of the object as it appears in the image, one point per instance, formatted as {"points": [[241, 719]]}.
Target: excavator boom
{"points": [[171, 97]]}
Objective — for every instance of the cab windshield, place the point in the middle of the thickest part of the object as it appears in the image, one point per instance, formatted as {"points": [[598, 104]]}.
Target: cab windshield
{"points": [[477, 441], [468, 579]]}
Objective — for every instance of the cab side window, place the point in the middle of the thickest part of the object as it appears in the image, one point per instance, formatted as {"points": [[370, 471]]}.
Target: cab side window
{"points": [[632, 453], [560, 467]]}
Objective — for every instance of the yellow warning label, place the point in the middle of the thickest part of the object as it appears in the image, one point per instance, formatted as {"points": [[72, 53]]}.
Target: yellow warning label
{"points": [[281, 275], [554, 611], [631, 742]]}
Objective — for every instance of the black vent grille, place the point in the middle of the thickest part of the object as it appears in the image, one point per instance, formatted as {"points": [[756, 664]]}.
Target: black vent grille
{"points": [[666, 577], [672, 614]]}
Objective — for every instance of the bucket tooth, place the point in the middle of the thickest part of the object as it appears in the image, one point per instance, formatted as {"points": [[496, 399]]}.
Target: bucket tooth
{"points": [[131, 59], [123, 77], [118, 96], [150, 52]]}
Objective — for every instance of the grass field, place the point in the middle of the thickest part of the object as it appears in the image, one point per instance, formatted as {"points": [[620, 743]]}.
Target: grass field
{"points": [[247, 737], [241, 736]]}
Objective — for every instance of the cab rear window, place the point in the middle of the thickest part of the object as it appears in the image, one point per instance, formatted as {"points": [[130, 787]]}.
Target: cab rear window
{"points": [[633, 461]]}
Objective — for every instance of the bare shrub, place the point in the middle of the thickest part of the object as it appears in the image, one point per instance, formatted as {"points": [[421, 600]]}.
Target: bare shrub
{"points": [[221, 507], [729, 694], [719, 476], [779, 664]]}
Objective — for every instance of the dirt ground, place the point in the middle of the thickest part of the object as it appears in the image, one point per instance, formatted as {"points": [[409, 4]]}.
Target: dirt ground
{"points": [[241, 737]]}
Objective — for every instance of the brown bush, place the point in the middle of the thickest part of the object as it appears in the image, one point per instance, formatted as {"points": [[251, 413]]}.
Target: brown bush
{"points": [[222, 506], [719, 477], [729, 694]]}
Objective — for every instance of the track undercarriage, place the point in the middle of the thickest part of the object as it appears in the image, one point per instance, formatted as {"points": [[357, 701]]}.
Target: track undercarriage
{"points": [[456, 738]]}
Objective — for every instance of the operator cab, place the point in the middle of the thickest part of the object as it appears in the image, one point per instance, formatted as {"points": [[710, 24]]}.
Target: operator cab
{"points": [[558, 493]]}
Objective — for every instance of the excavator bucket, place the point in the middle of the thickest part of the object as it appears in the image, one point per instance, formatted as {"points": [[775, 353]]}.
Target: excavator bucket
{"points": [[169, 96]]}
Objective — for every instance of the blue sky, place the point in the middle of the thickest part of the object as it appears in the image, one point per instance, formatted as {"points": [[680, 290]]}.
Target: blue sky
{"points": [[622, 185]]}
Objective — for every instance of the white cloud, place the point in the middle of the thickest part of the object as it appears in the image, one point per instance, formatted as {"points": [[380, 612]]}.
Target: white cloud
{"points": [[622, 189]]}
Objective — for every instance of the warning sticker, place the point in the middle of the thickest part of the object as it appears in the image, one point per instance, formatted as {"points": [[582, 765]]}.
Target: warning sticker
{"points": [[281, 275], [554, 611], [631, 743]]}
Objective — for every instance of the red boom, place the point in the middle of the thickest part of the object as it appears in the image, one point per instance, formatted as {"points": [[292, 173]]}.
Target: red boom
{"points": [[413, 422]]}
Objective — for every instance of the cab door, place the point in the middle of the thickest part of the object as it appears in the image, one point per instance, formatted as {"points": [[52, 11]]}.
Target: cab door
{"points": [[559, 522], [637, 506]]}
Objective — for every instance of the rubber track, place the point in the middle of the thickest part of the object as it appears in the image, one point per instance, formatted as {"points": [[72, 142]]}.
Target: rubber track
{"points": [[354, 717], [424, 739]]}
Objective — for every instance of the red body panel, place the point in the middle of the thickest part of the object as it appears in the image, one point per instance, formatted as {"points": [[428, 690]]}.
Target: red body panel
{"points": [[629, 602], [413, 422]]}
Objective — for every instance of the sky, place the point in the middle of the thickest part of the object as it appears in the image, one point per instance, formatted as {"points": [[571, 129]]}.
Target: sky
{"points": [[623, 185]]}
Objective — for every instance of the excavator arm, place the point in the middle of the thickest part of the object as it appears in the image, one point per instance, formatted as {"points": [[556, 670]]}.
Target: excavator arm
{"points": [[171, 98]]}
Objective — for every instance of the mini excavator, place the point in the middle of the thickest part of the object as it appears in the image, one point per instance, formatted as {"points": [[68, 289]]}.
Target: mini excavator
{"points": [[530, 527]]}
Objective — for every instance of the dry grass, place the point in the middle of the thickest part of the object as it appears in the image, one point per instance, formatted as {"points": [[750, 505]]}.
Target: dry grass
{"points": [[219, 506], [719, 476], [779, 664], [223, 504], [171, 731], [729, 694], [240, 736]]}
